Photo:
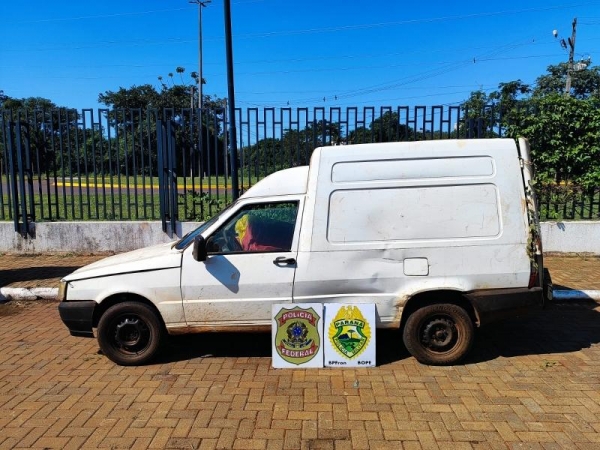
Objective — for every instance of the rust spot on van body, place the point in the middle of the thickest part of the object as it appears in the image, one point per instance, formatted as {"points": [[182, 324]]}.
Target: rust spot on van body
{"points": [[220, 329]]}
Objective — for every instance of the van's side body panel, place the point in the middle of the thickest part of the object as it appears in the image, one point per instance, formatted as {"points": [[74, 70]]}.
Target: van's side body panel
{"points": [[384, 222]]}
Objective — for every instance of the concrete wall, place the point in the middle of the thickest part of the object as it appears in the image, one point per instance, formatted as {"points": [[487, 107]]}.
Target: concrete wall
{"points": [[87, 237], [571, 237], [97, 237]]}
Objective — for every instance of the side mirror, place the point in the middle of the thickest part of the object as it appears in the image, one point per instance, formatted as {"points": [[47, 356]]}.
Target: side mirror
{"points": [[199, 251]]}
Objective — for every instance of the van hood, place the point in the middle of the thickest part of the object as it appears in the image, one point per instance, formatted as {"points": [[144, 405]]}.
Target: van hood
{"points": [[157, 257]]}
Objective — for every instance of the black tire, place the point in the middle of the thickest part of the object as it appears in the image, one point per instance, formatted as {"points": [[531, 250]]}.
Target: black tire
{"points": [[130, 333], [439, 334]]}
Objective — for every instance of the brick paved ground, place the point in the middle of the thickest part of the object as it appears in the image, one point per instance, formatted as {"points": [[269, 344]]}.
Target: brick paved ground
{"points": [[39, 270], [530, 383], [574, 272]]}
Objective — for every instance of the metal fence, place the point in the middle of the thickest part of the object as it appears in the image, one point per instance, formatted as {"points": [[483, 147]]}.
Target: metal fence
{"points": [[172, 164]]}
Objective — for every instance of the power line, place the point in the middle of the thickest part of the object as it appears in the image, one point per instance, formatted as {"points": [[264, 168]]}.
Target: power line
{"points": [[126, 14], [102, 16]]}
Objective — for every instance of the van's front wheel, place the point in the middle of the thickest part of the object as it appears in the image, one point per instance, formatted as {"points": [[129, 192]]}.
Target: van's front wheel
{"points": [[439, 334], [130, 333]]}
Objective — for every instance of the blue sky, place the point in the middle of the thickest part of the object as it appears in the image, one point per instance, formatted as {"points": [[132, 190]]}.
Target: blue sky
{"points": [[310, 53]]}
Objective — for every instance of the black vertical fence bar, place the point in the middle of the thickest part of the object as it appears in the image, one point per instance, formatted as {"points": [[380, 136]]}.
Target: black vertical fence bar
{"points": [[243, 150], [152, 118], [128, 130], [172, 167], [203, 143], [218, 165], [120, 133], [185, 154], [102, 147], [109, 148], [70, 164], [220, 145], [210, 157], [12, 175], [161, 142], [136, 131], [262, 136], [52, 172], [253, 130], [74, 125], [26, 145], [37, 121], [93, 177], [5, 209], [86, 137], [22, 169]]}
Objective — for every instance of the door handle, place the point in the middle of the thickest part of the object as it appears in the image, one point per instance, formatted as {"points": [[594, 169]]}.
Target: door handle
{"points": [[283, 260]]}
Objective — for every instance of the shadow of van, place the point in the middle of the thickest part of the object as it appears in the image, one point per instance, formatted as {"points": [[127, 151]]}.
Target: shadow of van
{"points": [[558, 329]]}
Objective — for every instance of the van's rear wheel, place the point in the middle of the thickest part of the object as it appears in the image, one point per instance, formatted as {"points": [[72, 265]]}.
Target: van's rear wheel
{"points": [[439, 334], [130, 333]]}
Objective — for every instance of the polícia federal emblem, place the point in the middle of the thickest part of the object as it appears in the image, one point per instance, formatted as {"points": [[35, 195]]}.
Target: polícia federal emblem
{"points": [[297, 339]]}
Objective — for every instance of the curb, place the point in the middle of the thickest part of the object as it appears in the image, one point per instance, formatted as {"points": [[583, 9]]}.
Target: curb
{"points": [[565, 295], [8, 294]]}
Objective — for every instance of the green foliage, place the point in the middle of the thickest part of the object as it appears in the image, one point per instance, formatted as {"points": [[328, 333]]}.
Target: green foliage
{"points": [[293, 149], [565, 139], [131, 107], [280, 212], [386, 128], [42, 124], [585, 83], [564, 131], [199, 206], [568, 202]]}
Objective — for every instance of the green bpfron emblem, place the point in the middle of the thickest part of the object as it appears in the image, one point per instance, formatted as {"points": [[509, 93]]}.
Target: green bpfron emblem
{"points": [[297, 339], [349, 332]]}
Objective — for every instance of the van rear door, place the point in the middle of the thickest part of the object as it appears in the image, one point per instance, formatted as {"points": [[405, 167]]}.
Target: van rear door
{"points": [[539, 277]]}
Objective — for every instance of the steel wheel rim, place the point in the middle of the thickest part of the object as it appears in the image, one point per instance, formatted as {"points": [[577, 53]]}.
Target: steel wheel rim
{"points": [[130, 334], [439, 334]]}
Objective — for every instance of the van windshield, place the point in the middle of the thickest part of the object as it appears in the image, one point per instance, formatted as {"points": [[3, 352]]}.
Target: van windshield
{"points": [[189, 238]]}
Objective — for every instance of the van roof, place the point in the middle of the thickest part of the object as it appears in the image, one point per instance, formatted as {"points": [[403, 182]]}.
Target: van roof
{"points": [[284, 182]]}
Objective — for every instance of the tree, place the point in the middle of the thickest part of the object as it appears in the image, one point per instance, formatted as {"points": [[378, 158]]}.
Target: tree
{"points": [[146, 96], [564, 134], [564, 131], [480, 116], [387, 128], [293, 149], [585, 83], [41, 123], [131, 107]]}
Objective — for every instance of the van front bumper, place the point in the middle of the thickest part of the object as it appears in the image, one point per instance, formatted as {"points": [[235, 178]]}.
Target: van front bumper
{"points": [[78, 317], [495, 304]]}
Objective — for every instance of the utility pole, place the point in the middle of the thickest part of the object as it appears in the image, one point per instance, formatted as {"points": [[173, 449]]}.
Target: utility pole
{"points": [[571, 41], [201, 4], [235, 187]]}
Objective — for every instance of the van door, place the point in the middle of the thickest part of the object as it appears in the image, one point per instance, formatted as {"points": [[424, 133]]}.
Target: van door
{"points": [[250, 266]]}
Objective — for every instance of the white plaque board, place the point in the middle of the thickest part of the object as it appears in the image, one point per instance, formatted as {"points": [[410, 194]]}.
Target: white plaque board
{"points": [[297, 335], [349, 335]]}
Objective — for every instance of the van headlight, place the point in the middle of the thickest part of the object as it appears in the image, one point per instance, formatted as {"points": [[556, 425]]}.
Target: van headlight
{"points": [[62, 290]]}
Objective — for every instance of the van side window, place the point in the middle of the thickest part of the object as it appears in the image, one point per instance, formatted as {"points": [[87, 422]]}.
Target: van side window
{"points": [[261, 227]]}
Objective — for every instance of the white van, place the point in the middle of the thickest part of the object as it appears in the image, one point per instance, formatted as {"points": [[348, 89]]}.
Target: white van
{"points": [[442, 236]]}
